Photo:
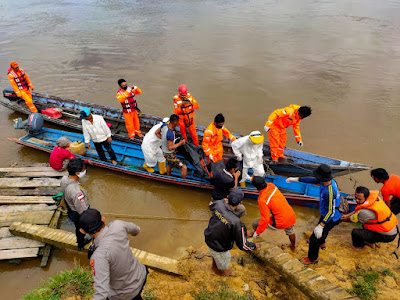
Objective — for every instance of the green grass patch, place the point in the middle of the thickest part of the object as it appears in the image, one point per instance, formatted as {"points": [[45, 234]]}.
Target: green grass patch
{"points": [[387, 272], [149, 295], [223, 293], [75, 282], [364, 284]]}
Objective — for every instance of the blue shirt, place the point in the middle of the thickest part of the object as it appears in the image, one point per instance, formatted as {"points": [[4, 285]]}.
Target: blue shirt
{"points": [[329, 199]]}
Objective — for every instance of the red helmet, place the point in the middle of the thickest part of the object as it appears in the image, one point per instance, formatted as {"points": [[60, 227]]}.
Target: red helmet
{"points": [[183, 90]]}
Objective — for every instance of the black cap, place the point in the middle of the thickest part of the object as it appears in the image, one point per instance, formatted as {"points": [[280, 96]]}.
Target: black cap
{"points": [[235, 197], [90, 221], [323, 173], [259, 182]]}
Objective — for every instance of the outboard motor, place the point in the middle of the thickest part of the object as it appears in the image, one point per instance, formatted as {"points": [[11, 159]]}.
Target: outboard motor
{"points": [[35, 123], [9, 93]]}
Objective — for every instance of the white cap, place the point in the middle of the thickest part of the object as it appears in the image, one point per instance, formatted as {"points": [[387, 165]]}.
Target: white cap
{"points": [[255, 133], [165, 120]]}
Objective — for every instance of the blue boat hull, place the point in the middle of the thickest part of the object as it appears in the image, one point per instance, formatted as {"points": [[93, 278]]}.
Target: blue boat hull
{"points": [[131, 160]]}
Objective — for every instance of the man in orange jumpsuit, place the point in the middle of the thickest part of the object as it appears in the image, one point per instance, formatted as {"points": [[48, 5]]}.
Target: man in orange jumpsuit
{"points": [[21, 84], [126, 96], [276, 126], [212, 140], [184, 106], [276, 213]]}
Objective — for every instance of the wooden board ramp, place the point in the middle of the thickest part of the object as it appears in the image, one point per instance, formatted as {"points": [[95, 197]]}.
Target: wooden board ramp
{"points": [[305, 279], [65, 239], [25, 196]]}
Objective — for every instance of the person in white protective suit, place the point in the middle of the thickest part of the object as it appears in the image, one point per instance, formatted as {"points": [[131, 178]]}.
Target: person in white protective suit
{"points": [[250, 149], [151, 148]]}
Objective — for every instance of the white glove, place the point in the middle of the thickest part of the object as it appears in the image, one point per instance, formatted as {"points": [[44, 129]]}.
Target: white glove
{"points": [[255, 235], [266, 128], [211, 157], [292, 179], [318, 231], [300, 143], [239, 158]]}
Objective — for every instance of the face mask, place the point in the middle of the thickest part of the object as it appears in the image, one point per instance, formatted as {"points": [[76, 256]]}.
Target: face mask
{"points": [[219, 126], [81, 174], [124, 87]]}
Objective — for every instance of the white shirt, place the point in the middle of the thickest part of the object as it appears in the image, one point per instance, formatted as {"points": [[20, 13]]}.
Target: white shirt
{"points": [[97, 132], [252, 153]]}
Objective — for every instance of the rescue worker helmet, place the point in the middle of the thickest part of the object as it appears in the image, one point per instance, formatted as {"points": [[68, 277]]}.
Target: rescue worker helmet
{"points": [[256, 137], [183, 90], [14, 64]]}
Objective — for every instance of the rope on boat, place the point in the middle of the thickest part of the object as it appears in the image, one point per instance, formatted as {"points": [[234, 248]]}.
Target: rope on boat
{"points": [[152, 217]]}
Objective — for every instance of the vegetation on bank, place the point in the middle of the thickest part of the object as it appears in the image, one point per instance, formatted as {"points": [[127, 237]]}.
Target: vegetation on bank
{"points": [[223, 293], [75, 282], [364, 282]]}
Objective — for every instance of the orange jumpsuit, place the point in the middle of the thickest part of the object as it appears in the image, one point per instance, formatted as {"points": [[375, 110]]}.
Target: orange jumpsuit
{"points": [[129, 109], [185, 111], [278, 121], [212, 141], [271, 201], [22, 85]]}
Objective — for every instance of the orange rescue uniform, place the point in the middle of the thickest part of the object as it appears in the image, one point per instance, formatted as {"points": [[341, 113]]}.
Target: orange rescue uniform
{"points": [[185, 111], [271, 201], [278, 121], [212, 141], [22, 85], [391, 187], [385, 220], [129, 109]]}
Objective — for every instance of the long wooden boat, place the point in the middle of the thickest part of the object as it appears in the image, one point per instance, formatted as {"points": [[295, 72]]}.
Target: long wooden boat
{"points": [[299, 163], [131, 159]]}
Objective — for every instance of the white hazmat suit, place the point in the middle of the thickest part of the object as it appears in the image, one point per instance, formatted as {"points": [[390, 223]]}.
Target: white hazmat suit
{"points": [[251, 154], [151, 147]]}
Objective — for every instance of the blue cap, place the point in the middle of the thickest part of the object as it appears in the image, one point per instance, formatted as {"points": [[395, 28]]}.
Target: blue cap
{"points": [[84, 113]]}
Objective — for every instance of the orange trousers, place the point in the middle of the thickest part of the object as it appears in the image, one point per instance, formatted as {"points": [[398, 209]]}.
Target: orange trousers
{"points": [[132, 123], [192, 131], [277, 141], [26, 95]]}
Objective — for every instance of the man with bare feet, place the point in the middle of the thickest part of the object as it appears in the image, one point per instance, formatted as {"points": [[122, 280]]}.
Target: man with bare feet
{"points": [[225, 228], [379, 223]]}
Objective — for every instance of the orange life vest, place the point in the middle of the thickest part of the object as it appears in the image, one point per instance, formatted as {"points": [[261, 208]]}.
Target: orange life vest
{"points": [[19, 78], [129, 104], [185, 109], [385, 219]]}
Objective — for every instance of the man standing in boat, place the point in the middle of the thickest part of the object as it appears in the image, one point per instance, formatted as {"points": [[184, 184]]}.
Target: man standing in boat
{"points": [[212, 140], [126, 96], [276, 126], [21, 84], [169, 146], [329, 201], [184, 106], [96, 129]]}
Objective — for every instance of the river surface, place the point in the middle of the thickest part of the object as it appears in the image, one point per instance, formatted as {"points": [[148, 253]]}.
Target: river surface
{"points": [[241, 58]]}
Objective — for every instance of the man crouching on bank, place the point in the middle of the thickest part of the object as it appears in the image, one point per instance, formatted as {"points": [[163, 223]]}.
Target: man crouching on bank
{"points": [[225, 228]]}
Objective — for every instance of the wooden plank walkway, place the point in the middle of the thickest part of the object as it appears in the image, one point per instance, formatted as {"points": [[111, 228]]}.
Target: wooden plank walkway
{"points": [[65, 239], [25, 196]]}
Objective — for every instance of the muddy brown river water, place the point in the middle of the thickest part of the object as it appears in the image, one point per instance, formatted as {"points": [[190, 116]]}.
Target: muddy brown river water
{"points": [[242, 58]]}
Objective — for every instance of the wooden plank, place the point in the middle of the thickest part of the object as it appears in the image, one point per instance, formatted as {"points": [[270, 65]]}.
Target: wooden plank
{"points": [[52, 173], [35, 217], [25, 182], [47, 248], [26, 169], [40, 191], [6, 209], [61, 238], [40, 142], [16, 242], [26, 200], [4, 233], [18, 253]]}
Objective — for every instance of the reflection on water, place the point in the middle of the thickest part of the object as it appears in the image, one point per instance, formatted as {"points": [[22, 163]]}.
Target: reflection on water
{"points": [[242, 58]]}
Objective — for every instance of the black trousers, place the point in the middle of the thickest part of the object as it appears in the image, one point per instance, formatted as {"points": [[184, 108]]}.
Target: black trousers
{"points": [[360, 236], [313, 249], [395, 207], [74, 217], [100, 151]]}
